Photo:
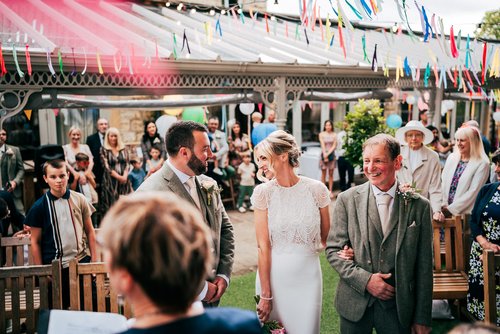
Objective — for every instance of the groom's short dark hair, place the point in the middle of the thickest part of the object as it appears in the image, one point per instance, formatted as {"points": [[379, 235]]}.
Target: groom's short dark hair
{"points": [[180, 134], [390, 143]]}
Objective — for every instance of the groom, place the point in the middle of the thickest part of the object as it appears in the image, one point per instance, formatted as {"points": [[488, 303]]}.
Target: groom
{"points": [[388, 283], [188, 150]]}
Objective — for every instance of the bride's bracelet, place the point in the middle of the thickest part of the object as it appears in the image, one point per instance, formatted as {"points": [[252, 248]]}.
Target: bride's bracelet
{"points": [[266, 298]]}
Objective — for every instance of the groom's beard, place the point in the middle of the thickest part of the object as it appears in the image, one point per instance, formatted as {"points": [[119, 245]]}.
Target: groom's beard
{"points": [[196, 165]]}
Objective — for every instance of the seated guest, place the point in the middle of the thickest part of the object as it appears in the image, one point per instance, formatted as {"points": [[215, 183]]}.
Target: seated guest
{"points": [[465, 172], [485, 233], [158, 252]]}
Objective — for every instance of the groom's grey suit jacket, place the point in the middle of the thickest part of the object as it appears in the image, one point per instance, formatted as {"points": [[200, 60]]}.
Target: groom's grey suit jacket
{"points": [[406, 252], [215, 215]]}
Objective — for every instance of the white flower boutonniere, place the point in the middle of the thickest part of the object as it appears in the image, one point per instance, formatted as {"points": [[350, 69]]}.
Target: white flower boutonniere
{"points": [[9, 151], [409, 191], [209, 187]]}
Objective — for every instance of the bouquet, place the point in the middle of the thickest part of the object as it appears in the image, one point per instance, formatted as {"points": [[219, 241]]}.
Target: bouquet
{"points": [[271, 326]]}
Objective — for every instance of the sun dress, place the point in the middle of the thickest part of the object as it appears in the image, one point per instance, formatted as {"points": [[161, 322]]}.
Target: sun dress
{"points": [[294, 229], [490, 221], [329, 140]]}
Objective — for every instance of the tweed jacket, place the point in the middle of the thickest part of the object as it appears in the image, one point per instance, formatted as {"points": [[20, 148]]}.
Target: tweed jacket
{"points": [[473, 178], [427, 175], [12, 168], [215, 215], [411, 220]]}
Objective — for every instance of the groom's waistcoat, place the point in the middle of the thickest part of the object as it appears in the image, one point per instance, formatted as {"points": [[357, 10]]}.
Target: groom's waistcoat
{"points": [[383, 250]]}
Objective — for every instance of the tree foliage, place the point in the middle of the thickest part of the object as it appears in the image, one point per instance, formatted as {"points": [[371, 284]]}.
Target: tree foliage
{"points": [[490, 26], [365, 121]]}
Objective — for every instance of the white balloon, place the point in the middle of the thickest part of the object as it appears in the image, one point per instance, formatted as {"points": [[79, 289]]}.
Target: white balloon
{"points": [[496, 116], [230, 123], [163, 123], [410, 99], [247, 108]]}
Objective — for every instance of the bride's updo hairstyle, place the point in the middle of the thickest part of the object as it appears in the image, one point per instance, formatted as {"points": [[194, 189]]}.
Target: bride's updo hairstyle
{"points": [[277, 143]]}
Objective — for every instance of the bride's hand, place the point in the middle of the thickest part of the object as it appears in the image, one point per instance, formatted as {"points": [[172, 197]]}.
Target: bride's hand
{"points": [[347, 253], [264, 309]]}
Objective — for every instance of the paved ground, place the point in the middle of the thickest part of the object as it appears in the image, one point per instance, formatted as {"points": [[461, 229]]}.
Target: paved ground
{"points": [[246, 245]]}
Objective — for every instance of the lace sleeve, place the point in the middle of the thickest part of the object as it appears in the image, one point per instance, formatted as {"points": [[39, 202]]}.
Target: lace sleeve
{"points": [[259, 198], [321, 194]]}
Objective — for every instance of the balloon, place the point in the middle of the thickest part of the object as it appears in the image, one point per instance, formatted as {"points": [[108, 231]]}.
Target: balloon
{"points": [[194, 114], [247, 108], [496, 116], [410, 99], [163, 123], [231, 123], [394, 121], [262, 131]]}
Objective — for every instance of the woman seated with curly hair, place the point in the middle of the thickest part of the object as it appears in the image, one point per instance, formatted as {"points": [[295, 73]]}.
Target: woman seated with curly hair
{"points": [[158, 252]]}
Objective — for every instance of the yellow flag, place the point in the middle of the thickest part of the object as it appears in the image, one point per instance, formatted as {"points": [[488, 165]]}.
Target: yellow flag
{"points": [[27, 112]]}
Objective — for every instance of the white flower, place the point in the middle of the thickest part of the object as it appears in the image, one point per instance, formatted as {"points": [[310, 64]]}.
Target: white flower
{"points": [[408, 192], [9, 151], [210, 187]]}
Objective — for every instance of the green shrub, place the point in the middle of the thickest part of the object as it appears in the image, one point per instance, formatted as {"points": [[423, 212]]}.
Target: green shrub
{"points": [[366, 120]]}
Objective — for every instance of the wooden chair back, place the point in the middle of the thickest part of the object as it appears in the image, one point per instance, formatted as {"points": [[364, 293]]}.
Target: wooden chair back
{"points": [[89, 296], [449, 277], [491, 263], [13, 248], [32, 289], [453, 260]]}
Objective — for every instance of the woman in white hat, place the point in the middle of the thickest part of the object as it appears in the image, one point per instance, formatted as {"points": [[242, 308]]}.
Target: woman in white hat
{"points": [[420, 164]]}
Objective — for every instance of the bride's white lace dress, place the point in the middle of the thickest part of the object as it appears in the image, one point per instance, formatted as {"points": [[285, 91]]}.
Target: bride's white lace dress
{"points": [[294, 230]]}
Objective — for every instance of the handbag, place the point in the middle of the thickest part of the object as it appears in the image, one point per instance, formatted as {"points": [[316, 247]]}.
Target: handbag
{"points": [[331, 156]]}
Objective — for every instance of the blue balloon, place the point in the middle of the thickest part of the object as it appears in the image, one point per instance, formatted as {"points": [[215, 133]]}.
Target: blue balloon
{"points": [[394, 121], [260, 132]]}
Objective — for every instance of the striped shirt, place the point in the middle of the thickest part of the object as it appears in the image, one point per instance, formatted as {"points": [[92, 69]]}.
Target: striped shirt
{"points": [[62, 223]]}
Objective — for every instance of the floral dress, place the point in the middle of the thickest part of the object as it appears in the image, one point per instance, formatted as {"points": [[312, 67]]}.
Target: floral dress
{"points": [[490, 220], [454, 181]]}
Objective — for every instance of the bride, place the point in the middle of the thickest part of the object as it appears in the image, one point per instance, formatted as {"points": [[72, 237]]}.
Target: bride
{"points": [[292, 221]]}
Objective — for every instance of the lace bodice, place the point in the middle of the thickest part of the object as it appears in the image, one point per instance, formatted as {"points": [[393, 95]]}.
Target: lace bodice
{"points": [[293, 213]]}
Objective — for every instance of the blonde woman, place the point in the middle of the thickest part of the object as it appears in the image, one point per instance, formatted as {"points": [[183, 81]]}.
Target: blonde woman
{"points": [[115, 160], [70, 152], [328, 141], [292, 221], [465, 172]]}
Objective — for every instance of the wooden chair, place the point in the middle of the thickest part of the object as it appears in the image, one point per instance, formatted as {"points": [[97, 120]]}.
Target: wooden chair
{"points": [[491, 262], [449, 278], [14, 245], [230, 196], [30, 291], [103, 295]]}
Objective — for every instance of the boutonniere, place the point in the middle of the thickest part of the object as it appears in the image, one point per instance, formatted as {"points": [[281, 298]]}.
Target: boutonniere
{"points": [[9, 151], [210, 187], [408, 191]]}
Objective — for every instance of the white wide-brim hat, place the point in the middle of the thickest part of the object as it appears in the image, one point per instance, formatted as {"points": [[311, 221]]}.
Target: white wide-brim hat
{"points": [[414, 126]]}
